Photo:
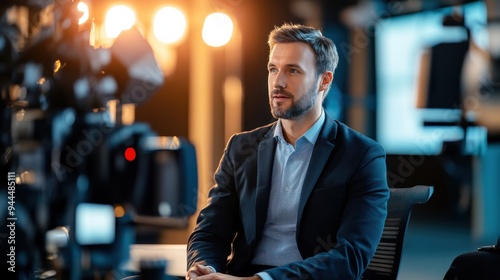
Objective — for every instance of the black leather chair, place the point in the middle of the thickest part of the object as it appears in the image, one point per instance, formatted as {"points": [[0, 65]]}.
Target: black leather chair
{"points": [[484, 264], [387, 258]]}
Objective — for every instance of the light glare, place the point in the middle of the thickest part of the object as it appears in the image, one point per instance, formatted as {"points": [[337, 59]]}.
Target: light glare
{"points": [[169, 25], [118, 18], [217, 29], [84, 8]]}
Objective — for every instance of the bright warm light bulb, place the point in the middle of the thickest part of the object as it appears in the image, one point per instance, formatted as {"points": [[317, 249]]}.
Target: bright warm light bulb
{"points": [[118, 18], [169, 25], [84, 8], [217, 29]]}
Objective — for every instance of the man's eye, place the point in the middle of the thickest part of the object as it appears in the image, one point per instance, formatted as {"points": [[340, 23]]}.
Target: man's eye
{"points": [[272, 70], [294, 71]]}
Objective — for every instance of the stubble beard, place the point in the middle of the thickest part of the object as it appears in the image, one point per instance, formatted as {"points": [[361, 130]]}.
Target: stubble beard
{"points": [[296, 109]]}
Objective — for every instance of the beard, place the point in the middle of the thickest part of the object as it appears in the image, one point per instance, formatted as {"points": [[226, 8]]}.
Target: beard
{"points": [[297, 108]]}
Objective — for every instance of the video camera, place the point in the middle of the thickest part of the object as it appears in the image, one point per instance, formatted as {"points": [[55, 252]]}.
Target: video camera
{"points": [[78, 174]]}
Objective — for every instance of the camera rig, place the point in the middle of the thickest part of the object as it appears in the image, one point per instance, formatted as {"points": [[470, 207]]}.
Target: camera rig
{"points": [[77, 176]]}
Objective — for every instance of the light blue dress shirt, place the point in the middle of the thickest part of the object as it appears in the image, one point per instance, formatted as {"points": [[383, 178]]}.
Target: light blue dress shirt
{"points": [[278, 245]]}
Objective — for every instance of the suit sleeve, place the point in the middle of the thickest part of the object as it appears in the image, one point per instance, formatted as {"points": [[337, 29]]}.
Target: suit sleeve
{"points": [[360, 230], [210, 242]]}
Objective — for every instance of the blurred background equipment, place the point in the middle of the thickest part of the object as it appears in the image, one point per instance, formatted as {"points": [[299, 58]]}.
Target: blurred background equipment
{"points": [[84, 174], [438, 101]]}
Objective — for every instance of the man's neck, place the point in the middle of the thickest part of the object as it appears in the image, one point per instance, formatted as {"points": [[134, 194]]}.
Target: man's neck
{"points": [[294, 128]]}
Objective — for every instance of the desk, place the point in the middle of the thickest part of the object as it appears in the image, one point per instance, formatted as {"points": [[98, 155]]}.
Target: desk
{"points": [[175, 254]]}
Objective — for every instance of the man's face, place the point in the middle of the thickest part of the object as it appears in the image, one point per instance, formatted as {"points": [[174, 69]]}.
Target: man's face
{"points": [[292, 81]]}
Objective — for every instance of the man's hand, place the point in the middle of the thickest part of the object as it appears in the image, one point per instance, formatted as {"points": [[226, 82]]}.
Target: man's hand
{"points": [[198, 270], [221, 276], [201, 272]]}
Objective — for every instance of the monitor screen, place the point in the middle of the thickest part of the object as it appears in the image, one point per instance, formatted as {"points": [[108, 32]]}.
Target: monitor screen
{"points": [[401, 42]]}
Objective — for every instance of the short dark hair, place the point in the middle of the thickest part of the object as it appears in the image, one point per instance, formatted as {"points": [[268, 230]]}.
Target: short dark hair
{"points": [[327, 57]]}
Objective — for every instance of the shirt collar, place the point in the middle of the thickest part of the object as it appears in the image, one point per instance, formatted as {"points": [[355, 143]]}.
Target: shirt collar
{"points": [[310, 135]]}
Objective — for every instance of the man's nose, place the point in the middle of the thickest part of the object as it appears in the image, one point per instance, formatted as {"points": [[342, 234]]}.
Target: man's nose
{"points": [[279, 80]]}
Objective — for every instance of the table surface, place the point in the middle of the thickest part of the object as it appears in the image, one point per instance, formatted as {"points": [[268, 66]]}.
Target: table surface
{"points": [[174, 254]]}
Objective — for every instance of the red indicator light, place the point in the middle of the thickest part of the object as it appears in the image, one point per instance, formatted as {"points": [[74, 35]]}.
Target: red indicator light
{"points": [[130, 154]]}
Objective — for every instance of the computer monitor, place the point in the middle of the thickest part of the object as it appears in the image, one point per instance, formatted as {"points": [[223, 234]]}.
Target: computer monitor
{"points": [[400, 43]]}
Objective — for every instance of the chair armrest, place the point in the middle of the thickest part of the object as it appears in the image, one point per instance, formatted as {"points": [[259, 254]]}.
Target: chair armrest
{"points": [[489, 248]]}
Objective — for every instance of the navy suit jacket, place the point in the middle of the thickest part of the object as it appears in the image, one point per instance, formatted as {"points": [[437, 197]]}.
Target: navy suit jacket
{"points": [[341, 213]]}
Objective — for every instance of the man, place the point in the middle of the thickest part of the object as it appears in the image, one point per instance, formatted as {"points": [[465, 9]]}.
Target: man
{"points": [[302, 198]]}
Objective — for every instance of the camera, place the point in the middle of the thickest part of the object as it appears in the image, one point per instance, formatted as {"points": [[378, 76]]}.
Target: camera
{"points": [[79, 175]]}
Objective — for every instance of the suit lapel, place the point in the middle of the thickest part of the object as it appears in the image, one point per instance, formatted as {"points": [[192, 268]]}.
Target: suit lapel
{"points": [[321, 152], [265, 159]]}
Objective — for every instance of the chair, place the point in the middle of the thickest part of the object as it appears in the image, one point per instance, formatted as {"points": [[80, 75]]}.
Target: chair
{"points": [[481, 264], [385, 263]]}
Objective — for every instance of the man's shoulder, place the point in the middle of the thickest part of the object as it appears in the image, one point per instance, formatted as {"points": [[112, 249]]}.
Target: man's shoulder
{"points": [[356, 145], [258, 134], [350, 135]]}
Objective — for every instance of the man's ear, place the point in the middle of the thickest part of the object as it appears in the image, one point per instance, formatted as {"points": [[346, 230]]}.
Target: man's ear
{"points": [[326, 80]]}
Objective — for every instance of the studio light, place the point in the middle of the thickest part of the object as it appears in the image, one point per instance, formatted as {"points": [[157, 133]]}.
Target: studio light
{"points": [[217, 29], [169, 25], [118, 18]]}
